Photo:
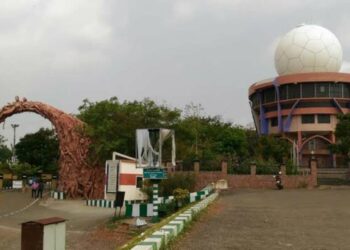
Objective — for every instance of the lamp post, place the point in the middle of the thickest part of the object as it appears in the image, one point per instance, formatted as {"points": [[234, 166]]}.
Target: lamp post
{"points": [[14, 126]]}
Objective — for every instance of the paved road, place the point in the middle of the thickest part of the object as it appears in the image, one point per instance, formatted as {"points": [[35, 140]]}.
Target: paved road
{"points": [[271, 219], [80, 219]]}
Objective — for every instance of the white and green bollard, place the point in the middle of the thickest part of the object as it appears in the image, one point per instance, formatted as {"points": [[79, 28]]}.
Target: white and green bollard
{"points": [[155, 217]]}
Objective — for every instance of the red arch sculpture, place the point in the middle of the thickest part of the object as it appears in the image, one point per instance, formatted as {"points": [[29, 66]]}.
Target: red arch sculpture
{"points": [[76, 176]]}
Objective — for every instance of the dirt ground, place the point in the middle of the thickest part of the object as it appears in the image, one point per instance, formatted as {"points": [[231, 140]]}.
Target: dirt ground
{"points": [[271, 219]]}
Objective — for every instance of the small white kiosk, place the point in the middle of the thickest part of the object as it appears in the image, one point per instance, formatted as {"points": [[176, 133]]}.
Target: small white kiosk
{"points": [[121, 173]]}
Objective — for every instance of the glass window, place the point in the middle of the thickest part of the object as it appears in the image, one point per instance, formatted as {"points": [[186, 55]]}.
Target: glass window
{"points": [[346, 89], [269, 95], [293, 91], [283, 92], [307, 119], [309, 104], [323, 118], [322, 89], [254, 99], [274, 122], [308, 90], [139, 182], [335, 90]]}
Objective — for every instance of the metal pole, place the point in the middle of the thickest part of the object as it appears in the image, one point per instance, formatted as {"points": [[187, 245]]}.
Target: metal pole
{"points": [[14, 126]]}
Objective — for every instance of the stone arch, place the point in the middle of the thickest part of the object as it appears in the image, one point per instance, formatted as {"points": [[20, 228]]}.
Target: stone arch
{"points": [[76, 176]]}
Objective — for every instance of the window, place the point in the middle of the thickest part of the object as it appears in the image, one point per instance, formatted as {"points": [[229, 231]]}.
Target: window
{"points": [[254, 99], [269, 95], [335, 89], [283, 92], [293, 91], [322, 89], [274, 122], [307, 119], [139, 182], [323, 118], [346, 89], [308, 90]]}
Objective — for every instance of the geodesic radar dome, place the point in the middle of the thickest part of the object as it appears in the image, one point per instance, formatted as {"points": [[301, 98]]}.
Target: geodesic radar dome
{"points": [[308, 48]]}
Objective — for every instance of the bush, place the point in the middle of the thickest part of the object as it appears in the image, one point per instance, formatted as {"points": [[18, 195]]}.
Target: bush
{"points": [[166, 209], [177, 180], [243, 168], [291, 169], [167, 186], [181, 196], [268, 167]]}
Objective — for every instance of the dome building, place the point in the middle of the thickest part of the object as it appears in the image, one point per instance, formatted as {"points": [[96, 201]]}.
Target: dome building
{"points": [[301, 104]]}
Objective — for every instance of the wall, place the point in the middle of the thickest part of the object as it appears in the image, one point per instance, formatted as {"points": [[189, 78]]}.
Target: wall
{"points": [[204, 178]]}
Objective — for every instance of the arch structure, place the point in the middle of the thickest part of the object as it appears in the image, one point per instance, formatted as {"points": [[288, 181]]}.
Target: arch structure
{"points": [[76, 177]]}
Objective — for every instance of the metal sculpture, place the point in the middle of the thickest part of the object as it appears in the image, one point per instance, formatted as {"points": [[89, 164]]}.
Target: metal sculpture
{"points": [[76, 176]]}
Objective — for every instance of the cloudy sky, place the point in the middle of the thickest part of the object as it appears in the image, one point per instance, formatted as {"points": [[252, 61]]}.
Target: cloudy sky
{"points": [[173, 51]]}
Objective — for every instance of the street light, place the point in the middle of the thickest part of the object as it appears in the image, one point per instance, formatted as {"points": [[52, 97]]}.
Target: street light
{"points": [[14, 126]]}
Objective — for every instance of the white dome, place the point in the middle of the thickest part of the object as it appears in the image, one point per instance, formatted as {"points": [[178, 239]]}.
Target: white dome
{"points": [[308, 48]]}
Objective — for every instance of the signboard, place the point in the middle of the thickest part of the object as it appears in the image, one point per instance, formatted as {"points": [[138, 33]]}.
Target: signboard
{"points": [[17, 184], [119, 199], [154, 173], [112, 173]]}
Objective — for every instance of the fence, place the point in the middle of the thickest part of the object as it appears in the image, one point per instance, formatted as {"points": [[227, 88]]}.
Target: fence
{"points": [[253, 179]]}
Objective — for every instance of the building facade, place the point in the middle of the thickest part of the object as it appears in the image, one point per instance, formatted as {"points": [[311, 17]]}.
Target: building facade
{"points": [[303, 109], [302, 103]]}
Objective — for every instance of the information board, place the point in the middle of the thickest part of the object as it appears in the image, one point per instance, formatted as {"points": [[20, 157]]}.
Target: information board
{"points": [[17, 184], [112, 173], [154, 173]]}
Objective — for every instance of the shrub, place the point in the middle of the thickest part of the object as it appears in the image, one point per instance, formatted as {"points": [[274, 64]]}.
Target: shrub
{"points": [[166, 209], [181, 196], [167, 186]]}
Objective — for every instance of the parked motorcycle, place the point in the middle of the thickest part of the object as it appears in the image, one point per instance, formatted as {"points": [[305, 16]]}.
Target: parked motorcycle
{"points": [[278, 180]]}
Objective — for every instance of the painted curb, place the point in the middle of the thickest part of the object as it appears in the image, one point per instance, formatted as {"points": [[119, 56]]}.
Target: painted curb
{"points": [[174, 227], [58, 195]]}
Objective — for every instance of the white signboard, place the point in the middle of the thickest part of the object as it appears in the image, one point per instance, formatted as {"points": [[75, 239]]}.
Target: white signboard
{"points": [[17, 184], [112, 177]]}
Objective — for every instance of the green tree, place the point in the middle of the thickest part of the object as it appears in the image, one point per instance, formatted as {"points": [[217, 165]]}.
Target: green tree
{"points": [[111, 125], [342, 133], [39, 149]]}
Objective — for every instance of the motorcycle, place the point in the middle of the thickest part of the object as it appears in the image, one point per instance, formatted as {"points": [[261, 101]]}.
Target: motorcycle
{"points": [[278, 180]]}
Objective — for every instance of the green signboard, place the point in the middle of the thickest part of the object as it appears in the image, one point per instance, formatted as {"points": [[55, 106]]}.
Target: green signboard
{"points": [[154, 173]]}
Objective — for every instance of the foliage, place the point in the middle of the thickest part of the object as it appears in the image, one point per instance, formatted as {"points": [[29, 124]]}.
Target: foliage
{"points": [[178, 180], [181, 196], [167, 186], [24, 169], [342, 133], [166, 209], [271, 148], [38, 149], [5, 152], [112, 124], [267, 167]]}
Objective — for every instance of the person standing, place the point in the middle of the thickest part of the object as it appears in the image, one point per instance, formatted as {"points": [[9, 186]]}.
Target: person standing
{"points": [[40, 189], [35, 186]]}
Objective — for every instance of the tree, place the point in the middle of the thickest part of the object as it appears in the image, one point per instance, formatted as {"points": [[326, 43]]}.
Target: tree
{"points": [[5, 152], [111, 125], [342, 133], [39, 149]]}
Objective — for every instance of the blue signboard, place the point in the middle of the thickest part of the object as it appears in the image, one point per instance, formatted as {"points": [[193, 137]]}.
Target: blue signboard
{"points": [[154, 173]]}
